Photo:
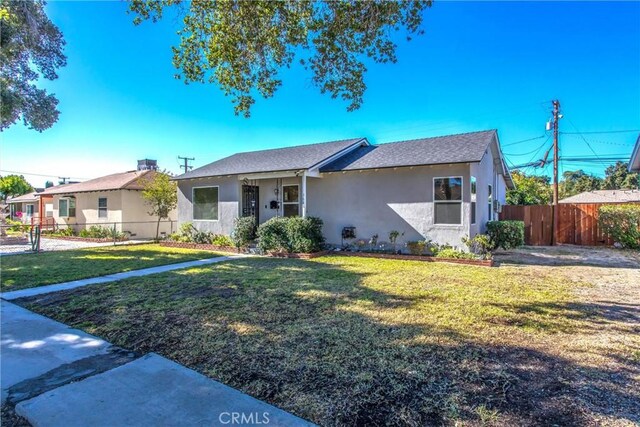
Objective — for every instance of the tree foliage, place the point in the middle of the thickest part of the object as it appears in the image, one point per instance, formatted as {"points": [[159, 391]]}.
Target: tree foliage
{"points": [[618, 177], [576, 182], [530, 190], [14, 185], [160, 194], [30, 46], [242, 45]]}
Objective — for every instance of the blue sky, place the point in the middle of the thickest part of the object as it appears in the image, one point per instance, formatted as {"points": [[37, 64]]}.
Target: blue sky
{"points": [[479, 65]]}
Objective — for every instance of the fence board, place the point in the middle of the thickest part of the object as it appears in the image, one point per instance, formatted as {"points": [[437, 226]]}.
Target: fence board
{"points": [[577, 223]]}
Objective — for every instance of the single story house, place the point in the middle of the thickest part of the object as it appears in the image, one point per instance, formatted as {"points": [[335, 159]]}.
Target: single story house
{"points": [[604, 196], [441, 188], [109, 201], [634, 161], [30, 206]]}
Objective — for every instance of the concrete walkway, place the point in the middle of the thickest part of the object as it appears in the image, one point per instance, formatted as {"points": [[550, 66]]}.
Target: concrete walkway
{"points": [[29, 292]]}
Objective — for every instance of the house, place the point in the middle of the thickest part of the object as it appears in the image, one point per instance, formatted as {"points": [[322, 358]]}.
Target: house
{"points": [[634, 161], [28, 206], [109, 201], [604, 196], [441, 188]]}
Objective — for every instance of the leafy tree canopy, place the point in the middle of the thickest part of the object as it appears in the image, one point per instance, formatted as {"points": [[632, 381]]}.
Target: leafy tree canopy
{"points": [[14, 185], [30, 46], [530, 190], [242, 45], [576, 182], [618, 177]]}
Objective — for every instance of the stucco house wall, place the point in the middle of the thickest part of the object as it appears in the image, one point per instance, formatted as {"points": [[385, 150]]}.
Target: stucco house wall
{"points": [[377, 202]]}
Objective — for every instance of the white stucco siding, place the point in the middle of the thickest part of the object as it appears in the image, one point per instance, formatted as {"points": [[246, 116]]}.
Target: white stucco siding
{"points": [[377, 202], [136, 218], [228, 203]]}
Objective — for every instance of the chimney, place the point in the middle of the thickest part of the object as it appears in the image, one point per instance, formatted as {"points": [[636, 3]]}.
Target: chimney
{"points": [[147, 165]]}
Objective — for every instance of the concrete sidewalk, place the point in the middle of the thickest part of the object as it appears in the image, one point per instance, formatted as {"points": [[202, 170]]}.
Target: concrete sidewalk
{"points": [[59, 376], [22, 293]]}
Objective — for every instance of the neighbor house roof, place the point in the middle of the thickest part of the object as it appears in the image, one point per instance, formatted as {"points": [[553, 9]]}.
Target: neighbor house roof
{"points": [[634, 161], [604, 196], [274, 160], [117, 181], [29, 197], [460, 148]]}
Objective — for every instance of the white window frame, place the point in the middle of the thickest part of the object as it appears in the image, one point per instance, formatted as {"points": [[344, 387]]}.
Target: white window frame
{"points": [[473, 190], [26, 210], [291, 203], [68, 200], [433, 189], [106, 208], [193, 203], [490, 201]]}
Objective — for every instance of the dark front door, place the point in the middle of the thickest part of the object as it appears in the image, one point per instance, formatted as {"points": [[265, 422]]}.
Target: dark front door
{"points": [[250, 201]]}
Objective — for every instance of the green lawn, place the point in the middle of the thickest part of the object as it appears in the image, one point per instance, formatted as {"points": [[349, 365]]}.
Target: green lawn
{"points": [[30, 270], [355, 341]]}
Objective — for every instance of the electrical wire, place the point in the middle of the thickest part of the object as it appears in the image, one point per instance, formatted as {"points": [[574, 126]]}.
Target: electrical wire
{"points": [[524, 140], [39, 174], [598, 132]]}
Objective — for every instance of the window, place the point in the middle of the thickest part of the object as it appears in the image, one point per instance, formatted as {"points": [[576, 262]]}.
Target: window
{"points": [[205, 203], [67, 208], [29, 211], [290, 200], [473, 187], [447, 200], [490, 202], [102, 207]]}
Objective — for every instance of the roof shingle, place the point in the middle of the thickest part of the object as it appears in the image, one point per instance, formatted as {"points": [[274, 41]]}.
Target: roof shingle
{"points": [[604, 196], [117, 181]]}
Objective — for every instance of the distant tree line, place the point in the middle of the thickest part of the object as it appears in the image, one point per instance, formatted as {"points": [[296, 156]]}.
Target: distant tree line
{"points": [[537, 190]]}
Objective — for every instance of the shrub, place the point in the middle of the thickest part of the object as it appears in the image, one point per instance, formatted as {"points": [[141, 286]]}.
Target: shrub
{"points": [[416, 247], [96, 232], [455, 254], [221, 240], [244, 231], [506, 234], [186, 228], [622, 223], [305, 234], [481, 245], [272, 235], [292, 235]]}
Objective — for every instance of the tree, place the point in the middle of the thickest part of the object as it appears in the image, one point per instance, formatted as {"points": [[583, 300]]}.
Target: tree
{"points": [[30, 46], [14, 185], [576, 182], [242, 45], [530, 190], [618, 177], [160, 193]]}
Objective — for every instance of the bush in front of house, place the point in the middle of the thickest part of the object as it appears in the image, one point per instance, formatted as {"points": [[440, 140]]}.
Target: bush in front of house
{"points": [[506, 234], [244, 231], [97, 232], [291, 235], [480, 245], [622, 223], [416, 247], [452, 253], [187, 233]]}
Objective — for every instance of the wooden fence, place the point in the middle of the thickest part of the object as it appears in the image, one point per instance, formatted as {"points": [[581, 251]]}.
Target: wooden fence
{"points": [[577, 223]]}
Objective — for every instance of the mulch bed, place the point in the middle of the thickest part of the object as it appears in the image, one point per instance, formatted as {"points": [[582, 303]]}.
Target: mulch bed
{"points": [[201, 246], [478, 262]]}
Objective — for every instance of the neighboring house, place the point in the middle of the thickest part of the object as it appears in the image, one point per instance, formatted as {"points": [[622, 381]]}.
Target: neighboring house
{"points": [[605, 196], [634, 161], [27, 204], [441, 188], [108, 201]]}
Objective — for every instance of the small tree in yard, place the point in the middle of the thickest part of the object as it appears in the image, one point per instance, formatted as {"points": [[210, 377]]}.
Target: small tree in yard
{"points": [[160, 193]]}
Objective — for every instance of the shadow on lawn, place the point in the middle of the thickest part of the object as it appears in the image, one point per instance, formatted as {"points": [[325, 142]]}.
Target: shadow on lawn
{"points": [[311, 338]]}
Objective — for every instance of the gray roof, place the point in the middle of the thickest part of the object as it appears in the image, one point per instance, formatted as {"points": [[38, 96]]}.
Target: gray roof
{"points": [[605, 196], [460, 148], [274, 160]]}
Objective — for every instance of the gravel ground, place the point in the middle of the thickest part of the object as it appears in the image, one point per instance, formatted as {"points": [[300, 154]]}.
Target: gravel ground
{"points": [[47, 245]]}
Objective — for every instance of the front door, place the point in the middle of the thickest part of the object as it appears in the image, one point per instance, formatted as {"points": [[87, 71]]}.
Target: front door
{"points": [[250, 201]]}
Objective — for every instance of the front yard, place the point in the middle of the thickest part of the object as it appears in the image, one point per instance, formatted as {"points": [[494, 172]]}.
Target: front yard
{"points": [[30, 270], [342, 340]]}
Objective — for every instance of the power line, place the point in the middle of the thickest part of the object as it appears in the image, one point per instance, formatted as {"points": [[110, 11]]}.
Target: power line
{"points": [[53, 175], [524, 140], [598, 132]]}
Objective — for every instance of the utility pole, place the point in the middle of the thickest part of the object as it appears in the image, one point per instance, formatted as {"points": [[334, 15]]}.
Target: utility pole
{"points": [[186, 166], [556, 118], [63, 179]]}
